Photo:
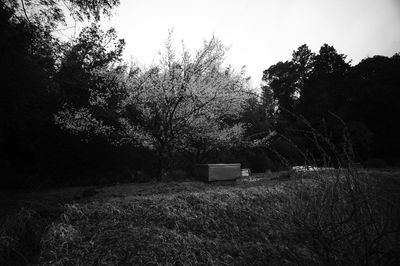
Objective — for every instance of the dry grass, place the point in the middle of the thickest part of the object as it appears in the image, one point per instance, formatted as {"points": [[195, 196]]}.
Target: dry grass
{"points": [[323, 217], [312, 219]]}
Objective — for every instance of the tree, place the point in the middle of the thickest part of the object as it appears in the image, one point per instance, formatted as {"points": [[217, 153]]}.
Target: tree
{"points": [[188, 103], [281, 80], [256, 119], [303, 60], [90, 78], [372, 95], [323, 90], [330, 92], [51, 14], [27, 93], [311, 86], [93, 50], [31, 91], [285, 80]]}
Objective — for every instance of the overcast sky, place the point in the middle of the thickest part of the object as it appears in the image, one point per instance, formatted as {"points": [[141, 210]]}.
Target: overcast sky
{"points": [[260, 32]]}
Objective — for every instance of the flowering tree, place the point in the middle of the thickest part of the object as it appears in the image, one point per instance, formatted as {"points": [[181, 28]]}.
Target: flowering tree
{"points": [[187, 102]]}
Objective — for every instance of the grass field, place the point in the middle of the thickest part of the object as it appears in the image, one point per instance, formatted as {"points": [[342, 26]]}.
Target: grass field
{"points": [[289, 218]]}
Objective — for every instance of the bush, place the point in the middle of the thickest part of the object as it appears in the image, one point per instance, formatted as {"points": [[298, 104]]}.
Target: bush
{"points": [[375, 163]]}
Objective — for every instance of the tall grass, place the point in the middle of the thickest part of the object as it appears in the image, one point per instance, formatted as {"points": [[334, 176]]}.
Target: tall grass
{"points": [[343, 215], [310, 219]]}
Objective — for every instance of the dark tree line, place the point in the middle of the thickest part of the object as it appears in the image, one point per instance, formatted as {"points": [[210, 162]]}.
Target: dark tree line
{"points": [[330, 94]]}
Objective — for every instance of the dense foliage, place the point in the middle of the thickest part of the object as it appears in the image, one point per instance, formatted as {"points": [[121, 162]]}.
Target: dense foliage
{"points": [[37, 72], [73, 111], [325, 94]]}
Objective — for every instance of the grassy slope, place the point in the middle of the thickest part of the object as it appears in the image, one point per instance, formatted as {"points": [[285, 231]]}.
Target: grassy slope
{"points": [[275, 219], [176, 223], [256, 222]]}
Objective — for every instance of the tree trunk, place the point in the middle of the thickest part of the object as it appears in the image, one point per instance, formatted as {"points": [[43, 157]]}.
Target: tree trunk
{"points": [[163, 163]]}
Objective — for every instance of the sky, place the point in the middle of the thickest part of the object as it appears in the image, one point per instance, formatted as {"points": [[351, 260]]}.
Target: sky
{"points": [[259, 32]]}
